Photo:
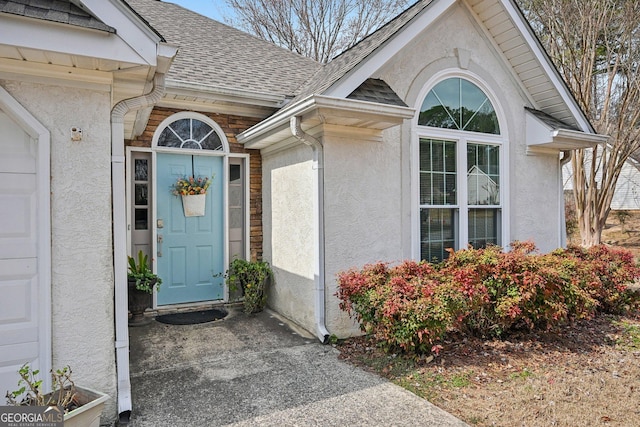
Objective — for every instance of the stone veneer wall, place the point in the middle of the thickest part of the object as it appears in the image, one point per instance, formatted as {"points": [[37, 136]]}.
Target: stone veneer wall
{"points": [[231, 125]]}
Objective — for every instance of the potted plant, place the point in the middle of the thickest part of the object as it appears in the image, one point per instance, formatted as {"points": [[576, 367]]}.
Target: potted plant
{"points": [[141, 282], [252, 278], [73, 405], [194, 194]]}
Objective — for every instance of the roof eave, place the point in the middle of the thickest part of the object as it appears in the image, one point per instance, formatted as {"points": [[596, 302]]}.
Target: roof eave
{"points": [[566, 140], [320, 109], [221, 93]]}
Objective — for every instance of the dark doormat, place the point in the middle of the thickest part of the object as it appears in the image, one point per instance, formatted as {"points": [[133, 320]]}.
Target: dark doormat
{"points": [[192, 317]]}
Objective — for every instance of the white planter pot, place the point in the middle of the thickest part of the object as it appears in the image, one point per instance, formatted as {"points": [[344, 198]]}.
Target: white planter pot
{"points": [[194, 205], [87, 415]]}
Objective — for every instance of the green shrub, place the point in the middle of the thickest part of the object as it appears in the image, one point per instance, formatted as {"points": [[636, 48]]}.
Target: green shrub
{"points": [[252, 278], [485, 292], [140, 271]]}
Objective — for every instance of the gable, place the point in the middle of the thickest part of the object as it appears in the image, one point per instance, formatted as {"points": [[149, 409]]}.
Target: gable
{"points": [[499, 22], [102, 45], [107, 36]]}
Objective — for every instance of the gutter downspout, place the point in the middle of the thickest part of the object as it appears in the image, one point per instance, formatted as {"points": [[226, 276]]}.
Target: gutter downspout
{"points": [[120, 237], [566, 157], [318, 185]]}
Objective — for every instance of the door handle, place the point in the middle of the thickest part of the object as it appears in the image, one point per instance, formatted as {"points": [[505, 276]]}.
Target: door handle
{"points": [[160, 240]]}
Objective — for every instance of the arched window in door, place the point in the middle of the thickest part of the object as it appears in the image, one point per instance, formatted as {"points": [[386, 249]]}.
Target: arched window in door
{"points": [[191, 131]]}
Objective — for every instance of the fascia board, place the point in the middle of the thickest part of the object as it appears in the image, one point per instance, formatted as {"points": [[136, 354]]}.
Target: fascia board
{"points": [[362, 71], [542, 138], [352, 105], [590, 139], [130, 28], [214, 93], [545, 62], [327, 106], [166, 54], [275, 123], [66, 39]]}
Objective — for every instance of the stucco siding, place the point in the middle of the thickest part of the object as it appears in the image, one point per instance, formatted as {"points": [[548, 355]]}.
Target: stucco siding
{"points": [[288, 219], [362, 215], [81, 233], [536, 202], [530, 193]]}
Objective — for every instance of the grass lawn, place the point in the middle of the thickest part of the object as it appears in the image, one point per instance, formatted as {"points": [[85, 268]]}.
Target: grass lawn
{"points": [[585, 374]]}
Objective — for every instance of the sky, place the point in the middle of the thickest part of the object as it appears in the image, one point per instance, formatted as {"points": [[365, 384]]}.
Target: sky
{"points": [[212, 8]]}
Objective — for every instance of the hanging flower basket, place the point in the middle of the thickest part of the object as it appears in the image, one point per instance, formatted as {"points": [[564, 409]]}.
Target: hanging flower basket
{"points": [[194, 194], [194, 205]]}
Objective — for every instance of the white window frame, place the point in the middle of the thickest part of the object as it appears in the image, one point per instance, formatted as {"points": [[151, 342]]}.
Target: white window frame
{"points": [[190, 115], [462, 139]]}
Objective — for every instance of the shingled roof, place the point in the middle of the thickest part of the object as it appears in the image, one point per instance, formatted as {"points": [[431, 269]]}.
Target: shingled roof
{"points": [[347, 60], [376, 90], [62, 11], [214, 54], [551, 121]]}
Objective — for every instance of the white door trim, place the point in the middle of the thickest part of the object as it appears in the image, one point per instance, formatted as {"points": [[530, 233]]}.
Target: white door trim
{"points": [[41, 135]]}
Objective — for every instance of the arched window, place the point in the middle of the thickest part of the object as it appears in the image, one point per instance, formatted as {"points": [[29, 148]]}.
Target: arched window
{"points": [[456, 103], [191, 131], [460, 173]]}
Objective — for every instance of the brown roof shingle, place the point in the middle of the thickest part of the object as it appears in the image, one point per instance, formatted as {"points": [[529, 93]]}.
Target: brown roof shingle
{"points": [[62, 11], [214, 54], [376, 90]]}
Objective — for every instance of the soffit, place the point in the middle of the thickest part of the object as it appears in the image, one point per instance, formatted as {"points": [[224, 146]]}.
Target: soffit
{"points": [[522, 50], [67, 46]]}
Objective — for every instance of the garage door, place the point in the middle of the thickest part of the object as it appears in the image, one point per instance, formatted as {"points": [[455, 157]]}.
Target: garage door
{"points": [[24, 314]]}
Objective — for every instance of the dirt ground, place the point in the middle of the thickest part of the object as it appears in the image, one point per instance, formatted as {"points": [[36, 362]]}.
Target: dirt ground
{"points": [[622, 230], [586, 374]]}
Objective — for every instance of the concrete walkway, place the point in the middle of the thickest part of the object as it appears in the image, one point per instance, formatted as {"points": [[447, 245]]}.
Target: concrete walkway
{"points": [[256, 371]]}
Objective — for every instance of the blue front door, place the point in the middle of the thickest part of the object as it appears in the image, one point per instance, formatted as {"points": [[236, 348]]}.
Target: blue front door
{"points": [[190, 254]]}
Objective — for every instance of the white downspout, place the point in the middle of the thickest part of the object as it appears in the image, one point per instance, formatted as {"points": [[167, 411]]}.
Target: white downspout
{"points": [[120, 236], [318, 197], [566, 157]]}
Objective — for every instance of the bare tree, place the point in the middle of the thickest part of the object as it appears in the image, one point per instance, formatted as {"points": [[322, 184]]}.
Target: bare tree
{"points": [[319, 29], [595, 45]]}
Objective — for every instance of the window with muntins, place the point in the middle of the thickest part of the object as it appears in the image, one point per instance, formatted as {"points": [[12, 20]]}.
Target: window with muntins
{"points": [[459, 104], [190, 133], [459, 170]]}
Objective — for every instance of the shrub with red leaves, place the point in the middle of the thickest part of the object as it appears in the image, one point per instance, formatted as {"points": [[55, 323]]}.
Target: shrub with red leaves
{"points": [[485, 292]]}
